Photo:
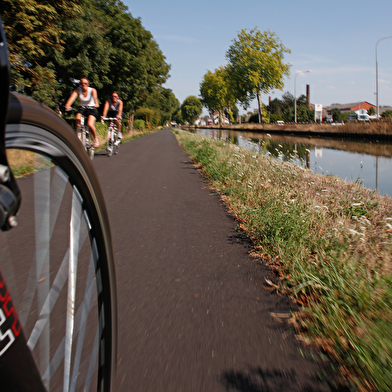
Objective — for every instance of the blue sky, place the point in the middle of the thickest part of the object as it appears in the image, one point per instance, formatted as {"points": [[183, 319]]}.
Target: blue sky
{"points": [[336, 40]]}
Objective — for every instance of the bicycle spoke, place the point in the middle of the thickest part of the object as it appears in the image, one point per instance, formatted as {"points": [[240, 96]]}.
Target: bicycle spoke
{"points": [[85, 308], [53, 205]]}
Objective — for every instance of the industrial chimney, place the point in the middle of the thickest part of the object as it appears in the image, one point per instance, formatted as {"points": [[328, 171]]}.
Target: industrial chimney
{"points": [[308, 94]]}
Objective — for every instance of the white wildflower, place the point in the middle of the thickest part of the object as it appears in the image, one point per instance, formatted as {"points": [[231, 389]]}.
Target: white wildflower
{"points": [[354, 232]]}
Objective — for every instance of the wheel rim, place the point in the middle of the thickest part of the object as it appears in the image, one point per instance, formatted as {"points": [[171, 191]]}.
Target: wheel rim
{"points": [[57, 285]]}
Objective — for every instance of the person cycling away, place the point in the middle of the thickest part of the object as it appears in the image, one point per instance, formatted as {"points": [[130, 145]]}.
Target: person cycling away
{"points": [[113, 108], [87, 97]]}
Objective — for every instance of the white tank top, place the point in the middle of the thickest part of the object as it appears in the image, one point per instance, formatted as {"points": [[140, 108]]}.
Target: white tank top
{"points": [[89, 99]]}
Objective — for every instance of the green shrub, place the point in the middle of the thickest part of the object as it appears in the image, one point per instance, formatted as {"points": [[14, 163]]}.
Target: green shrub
{"points": [[152, 117], [101, 129], [139, 124]]}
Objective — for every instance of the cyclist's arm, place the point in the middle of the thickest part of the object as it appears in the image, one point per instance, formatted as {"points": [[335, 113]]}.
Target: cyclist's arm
{"points": [[95, 96], [105, 109], [120, 109], [71, 100]]}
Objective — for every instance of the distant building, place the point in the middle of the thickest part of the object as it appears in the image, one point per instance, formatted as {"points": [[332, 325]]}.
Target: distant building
{"points": [[215, 118], [351, 107]]}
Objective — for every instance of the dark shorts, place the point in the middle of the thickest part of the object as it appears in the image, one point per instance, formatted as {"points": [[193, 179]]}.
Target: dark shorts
{"points": [[112, 113], [89, 112]]}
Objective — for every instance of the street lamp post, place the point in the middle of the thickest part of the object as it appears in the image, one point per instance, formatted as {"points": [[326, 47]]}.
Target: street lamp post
{"points": [[377, 73], [295, 93]]}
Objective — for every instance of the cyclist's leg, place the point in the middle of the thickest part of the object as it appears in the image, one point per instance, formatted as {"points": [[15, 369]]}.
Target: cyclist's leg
{"points": [[78, 127], [58, 261], [78, 116], [91, 123]]}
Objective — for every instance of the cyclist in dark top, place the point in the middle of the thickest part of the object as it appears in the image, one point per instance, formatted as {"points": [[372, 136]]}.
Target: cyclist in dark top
{"points": [[87, 97], [113, 108]]}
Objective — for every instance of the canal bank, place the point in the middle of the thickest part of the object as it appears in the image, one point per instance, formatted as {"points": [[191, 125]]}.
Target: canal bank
{"points": [[362, 159], [380, 130]]}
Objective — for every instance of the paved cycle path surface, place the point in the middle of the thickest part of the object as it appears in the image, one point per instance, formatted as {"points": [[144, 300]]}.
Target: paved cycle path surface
{"points": [[192, 313]]}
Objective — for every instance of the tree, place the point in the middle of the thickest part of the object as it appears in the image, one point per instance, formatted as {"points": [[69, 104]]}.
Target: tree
{"points": [[137, 65], [163, 100], [256, 65], [191, 108], [87, 51], [336, 114], [216, 92], [53, 43], [387, 114], [34, 39]]}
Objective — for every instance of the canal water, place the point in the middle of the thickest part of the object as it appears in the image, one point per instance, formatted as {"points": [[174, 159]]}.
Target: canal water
{"points": [[368, 162]]}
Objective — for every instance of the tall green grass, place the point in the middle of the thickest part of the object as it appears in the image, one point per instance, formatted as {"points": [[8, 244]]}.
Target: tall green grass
{"points": [[330, 243]]}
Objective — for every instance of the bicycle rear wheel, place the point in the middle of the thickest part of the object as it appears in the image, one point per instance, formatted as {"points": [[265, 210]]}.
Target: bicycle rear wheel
{"points": [[109, 144], [89, 144], [81, 135], [58, 262]]}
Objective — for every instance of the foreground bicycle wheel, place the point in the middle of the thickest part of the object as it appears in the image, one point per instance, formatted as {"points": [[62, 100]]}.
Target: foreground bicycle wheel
{"points": [[58, 261]]}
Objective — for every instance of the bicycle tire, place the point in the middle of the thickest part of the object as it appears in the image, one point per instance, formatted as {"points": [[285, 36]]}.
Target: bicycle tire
{"points": [[109, 143], [59, 262], [117, 144]]}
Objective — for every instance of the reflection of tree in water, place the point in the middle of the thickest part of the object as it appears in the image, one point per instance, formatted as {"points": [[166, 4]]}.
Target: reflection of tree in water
{"points": [[287, 152]]}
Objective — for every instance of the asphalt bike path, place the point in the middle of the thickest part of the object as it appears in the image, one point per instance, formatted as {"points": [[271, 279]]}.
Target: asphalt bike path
{"points": [[192, 311]]}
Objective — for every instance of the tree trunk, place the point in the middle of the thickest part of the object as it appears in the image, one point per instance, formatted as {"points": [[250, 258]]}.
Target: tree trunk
{"points": [[130, 120], [260, 107]]}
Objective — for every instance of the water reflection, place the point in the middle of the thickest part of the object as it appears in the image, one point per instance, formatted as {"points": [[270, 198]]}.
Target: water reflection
{"points": [[368, 162]]}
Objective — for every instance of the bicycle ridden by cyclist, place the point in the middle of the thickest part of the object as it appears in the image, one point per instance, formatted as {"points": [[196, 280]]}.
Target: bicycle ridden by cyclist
{"points": [[113, 108], [87, 97]]}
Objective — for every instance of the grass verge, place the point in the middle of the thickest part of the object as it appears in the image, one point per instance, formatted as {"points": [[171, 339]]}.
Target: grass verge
{"points": [[330, 244]]}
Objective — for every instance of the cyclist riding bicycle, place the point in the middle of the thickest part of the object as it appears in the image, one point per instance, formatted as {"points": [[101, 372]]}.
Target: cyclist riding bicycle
{"points": [[113, 108], [87, 97]]}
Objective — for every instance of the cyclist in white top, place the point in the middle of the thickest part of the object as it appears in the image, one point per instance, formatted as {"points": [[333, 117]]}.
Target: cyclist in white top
{"points": [[87, 97]]}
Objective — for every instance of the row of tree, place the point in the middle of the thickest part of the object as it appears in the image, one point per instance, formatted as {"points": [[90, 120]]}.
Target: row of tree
{"points": [[52, 44]]}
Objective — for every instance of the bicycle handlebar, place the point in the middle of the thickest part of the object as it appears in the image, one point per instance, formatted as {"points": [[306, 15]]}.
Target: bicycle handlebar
{"points": [[80, 107], [110, 119]]}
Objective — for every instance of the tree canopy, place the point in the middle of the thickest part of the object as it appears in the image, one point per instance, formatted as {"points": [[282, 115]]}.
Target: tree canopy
{"points": [[283, 109], [216, 91], [191, 108], [256, 65], [52, 44]]}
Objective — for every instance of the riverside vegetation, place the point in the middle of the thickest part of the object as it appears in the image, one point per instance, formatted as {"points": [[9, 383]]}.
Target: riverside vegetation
{"points": [[329, 243]]}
